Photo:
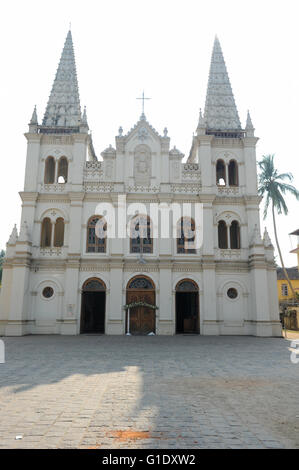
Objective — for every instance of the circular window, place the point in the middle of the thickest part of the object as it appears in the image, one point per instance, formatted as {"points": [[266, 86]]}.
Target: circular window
{"points": [[232, 293], [48, 292]]}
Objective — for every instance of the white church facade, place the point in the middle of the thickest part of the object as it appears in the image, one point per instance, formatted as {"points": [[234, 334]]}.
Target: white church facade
{"points": [[60, 277]]}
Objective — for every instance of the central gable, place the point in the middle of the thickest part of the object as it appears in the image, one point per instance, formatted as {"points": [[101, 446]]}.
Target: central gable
{"points": [[143, 134]]}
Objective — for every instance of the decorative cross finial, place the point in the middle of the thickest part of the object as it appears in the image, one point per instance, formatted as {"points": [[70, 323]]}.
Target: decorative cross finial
{"points": [[143, 98]]}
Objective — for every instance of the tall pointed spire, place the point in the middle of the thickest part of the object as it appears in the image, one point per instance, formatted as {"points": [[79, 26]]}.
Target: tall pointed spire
{"points": [[220, 108], [63, 108]]}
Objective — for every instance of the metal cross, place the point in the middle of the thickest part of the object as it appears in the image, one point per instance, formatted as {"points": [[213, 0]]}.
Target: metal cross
{"points": [[143, 98]]}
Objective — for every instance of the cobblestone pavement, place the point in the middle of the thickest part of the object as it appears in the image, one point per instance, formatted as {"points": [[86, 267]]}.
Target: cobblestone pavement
{"points": [[148, 392]]}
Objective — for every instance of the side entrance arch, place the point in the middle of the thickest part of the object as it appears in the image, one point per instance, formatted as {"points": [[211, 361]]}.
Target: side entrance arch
{"points": [[142, 318], [93, 306], [187, 307]]}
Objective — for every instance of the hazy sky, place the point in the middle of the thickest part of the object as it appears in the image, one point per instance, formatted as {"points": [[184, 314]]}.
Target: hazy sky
{"points": [[163, 47]]}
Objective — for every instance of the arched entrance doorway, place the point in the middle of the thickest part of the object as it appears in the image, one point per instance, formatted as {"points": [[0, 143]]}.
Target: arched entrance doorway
{"points": [[142, 318], [93, 306], [187, 307]]}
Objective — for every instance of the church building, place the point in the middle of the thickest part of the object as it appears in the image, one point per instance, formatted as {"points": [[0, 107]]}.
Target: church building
{"points": [[62, 275]]}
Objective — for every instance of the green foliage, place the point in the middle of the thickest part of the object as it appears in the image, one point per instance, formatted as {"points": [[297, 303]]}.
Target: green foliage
{"points": [[272, 186], [273, 189]]}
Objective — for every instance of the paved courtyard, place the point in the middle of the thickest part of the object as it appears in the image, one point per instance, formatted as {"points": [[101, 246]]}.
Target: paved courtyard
{"points": [[148, 392]]}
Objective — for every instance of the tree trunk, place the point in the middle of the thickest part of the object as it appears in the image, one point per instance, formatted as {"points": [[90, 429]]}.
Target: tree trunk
{"points": [[280, 255]]}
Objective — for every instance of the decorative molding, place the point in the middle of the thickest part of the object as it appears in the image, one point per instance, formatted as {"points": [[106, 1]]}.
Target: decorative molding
{"points": [[98, 187]]}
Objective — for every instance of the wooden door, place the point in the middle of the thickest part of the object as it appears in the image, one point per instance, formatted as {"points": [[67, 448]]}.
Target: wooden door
{"points": [[142, 319]]}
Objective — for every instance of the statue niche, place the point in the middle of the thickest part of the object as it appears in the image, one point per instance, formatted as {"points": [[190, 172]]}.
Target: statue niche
{"points": [[142, 165]]}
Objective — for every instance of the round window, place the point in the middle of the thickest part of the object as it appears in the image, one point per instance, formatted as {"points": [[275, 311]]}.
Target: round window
{"points": [[232, 293], [48, 292]]}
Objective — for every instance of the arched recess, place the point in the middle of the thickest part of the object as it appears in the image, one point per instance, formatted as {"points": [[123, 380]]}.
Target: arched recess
{"points": [[235, 238], [62, 173], [141, 240], [49, 176], [187, 307], [186, 235], [141, 300], [222, 235], [233, 174], [93, 306], [46, 233], [220, 173], [59, 232]]}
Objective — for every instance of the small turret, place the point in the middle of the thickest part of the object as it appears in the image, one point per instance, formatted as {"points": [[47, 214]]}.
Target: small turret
{"points": [[256, 238], [267, 239], [84, 124], [249, 126], [24, 233], [13, 236], [201, 126], [33, 122]]}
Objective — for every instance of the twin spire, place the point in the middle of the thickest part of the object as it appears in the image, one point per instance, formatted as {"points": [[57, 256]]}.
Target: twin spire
{"points": [[63, 108]]}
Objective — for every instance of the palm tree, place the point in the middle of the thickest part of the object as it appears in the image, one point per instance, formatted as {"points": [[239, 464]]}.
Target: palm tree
{"points": [[272, 186]]}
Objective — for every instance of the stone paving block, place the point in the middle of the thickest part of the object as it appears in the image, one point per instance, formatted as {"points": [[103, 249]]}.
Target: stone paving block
{"points": [[182, 392]]}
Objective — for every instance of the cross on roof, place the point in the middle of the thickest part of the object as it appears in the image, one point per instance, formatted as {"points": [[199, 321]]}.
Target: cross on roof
{"points": [[143, 98]]}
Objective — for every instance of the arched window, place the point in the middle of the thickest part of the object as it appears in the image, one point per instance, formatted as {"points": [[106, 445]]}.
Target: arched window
{"points": [[235, 235], [186, 235], [140, 235], [140, 282], [96, 235], [46, 233], [233, 179], [49, 177], [220, 173], [59, 232], [94, 285], [222, 234], [62, 170], [186, 285]]}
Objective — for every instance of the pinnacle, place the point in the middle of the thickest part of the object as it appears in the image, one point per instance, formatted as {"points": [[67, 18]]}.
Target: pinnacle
{"points": [[249, 124], [34, 120]]}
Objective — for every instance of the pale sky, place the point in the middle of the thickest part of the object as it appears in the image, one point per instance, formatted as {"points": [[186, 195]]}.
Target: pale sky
{"points": [[163, 47]]}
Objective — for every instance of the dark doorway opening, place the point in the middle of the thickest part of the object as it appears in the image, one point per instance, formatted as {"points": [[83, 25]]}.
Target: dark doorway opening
{"points": [[93, 312], [187, 308], [93, 307]]}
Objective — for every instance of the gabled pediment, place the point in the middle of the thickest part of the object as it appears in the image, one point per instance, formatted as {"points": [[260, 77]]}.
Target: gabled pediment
{"points": [[142, 133]]}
